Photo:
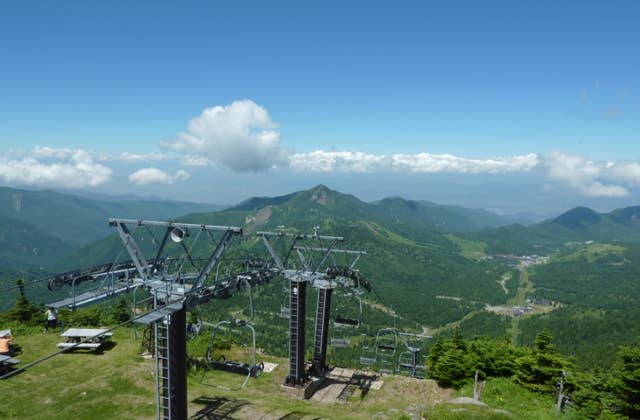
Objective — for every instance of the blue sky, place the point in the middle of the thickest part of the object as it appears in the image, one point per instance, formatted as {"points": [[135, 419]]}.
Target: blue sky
{"points": [[476, 80]]}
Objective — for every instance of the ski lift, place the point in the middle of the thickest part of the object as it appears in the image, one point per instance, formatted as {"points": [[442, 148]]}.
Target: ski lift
{"points": [[409, 358], [367, 352], [250, 369], [387, 366], [344, 326], [386, 342], [194, 326], [285, 311]]}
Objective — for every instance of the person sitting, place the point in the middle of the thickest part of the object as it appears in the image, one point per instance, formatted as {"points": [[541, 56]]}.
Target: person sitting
{"points": [[5, 344]]}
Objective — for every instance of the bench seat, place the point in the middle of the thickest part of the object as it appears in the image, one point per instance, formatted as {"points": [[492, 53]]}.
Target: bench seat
{"points": [[80, 346]]}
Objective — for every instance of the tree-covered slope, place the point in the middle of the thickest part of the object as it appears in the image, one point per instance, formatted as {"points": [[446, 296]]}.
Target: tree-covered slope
{"points": [[81, 220], [410, 265], [577, 225]]}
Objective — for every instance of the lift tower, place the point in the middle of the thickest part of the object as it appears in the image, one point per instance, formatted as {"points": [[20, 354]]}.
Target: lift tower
{"points": [[174, 289], [319, 275]]}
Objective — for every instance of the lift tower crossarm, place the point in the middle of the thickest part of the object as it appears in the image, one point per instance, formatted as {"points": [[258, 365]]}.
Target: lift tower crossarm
{"points": [[358, 254], [213, 260], [132, 247], [140, 261], [281, 263]]}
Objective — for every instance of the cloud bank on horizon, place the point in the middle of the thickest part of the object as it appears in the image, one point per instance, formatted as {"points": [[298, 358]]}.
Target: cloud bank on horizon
{"points": [[242, 137]]}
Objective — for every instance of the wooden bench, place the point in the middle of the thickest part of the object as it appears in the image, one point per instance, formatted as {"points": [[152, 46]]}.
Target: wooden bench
{"points": [[85, 338]]}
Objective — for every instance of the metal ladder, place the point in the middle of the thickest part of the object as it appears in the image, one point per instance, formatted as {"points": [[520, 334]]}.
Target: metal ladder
{"points": [[293, 340], [163, 382], [321, 332]]}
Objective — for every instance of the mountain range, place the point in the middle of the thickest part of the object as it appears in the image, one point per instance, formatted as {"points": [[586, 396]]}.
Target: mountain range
{"points": [[428, 262]]}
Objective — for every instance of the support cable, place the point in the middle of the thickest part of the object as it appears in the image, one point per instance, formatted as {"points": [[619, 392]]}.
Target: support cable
{"points": [[85, 340]]}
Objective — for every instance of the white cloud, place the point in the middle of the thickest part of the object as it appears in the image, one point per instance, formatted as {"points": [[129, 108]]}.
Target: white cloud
{"points": [[240, 136], [181, 175], [148, 176], [625, 171], [142, 157], [584, 175], [321, 161], [50, 152], [191, 160], [570, 172], [433, 163], [347, 161], [61, 168]]}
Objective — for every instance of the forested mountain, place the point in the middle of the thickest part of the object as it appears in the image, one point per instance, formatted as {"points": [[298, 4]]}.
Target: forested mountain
{"points": [[577, 225], [26, 246], [80, 220], [409, 262], [425, 266], [429, 274], [37, 228]]}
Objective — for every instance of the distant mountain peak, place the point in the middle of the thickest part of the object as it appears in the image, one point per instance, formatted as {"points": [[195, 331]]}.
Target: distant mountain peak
{"points": [[320, 195], [578, 217]]}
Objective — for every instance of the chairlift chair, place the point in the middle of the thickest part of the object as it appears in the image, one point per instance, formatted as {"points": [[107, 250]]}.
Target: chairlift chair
{"points": [[285, 311], [343, 326], [386, 342], [408, 360], [252, 369], [367, 352], [387, 366]]}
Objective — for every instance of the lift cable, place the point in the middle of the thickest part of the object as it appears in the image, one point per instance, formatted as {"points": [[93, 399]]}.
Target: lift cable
{"points": [[85, 340]]}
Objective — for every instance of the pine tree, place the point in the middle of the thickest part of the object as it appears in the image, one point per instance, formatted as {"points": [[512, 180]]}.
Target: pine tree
{"points": [[540, 369], [625, 382]]}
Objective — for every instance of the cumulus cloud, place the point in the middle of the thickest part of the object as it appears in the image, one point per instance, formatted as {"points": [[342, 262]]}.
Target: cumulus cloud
{"points": [[587, 176], [321, 161], [148, 176], [50, 167], [240, 136], [347, 161], [572, 173], [433, 163]]}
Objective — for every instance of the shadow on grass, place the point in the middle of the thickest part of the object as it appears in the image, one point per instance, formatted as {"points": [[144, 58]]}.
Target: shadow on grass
{"points": [[356, 381], [295, 415], [108, 345], [218, 408]]}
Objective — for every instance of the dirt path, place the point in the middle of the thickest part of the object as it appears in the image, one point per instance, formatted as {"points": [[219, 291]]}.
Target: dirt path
{"points": [[503, 282]]}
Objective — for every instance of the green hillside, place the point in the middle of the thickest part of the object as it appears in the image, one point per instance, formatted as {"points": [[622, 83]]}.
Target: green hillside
{"points": [[577, 225], [80, 220], [26, 246], [409, 264]]}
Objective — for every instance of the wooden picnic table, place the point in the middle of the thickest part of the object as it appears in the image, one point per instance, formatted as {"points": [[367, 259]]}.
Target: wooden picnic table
{"points": [[89, 338]]}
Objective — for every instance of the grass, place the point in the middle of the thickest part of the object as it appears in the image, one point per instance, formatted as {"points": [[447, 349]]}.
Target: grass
{"points": [[525, 288], [504, 399], [594, 252], [472, 250], [118, 383], [79, 385]]}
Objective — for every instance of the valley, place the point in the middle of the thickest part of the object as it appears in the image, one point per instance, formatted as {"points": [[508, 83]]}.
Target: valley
{"points": [[435, 270]]}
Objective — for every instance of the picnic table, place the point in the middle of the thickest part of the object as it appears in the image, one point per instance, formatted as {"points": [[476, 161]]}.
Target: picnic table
{"points": [[89, 338], [7, 363]]}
